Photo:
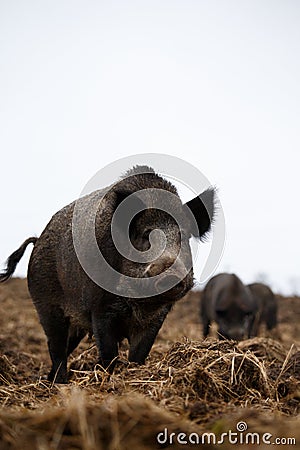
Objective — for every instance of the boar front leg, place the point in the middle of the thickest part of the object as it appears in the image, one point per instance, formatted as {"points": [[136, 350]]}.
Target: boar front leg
{"points": [[143, 336], [106, 335]]}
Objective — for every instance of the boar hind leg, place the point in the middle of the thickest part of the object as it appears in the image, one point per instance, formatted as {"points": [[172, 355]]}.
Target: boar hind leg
{"points": [[57, 330], [142, 339]]}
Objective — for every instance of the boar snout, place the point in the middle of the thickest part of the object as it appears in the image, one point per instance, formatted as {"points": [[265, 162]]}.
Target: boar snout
{"points": [[171, 278], [159, 266], [165, 281]]}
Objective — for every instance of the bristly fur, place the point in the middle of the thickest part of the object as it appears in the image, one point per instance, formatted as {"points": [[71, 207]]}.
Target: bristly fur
{"points": [[202, 208], [138, 177], [71, 304], [135, 170], [215, 206], [14, 258]]}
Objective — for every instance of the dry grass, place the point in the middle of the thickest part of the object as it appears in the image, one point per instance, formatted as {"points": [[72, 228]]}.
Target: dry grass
{"points": [[187, 385]]}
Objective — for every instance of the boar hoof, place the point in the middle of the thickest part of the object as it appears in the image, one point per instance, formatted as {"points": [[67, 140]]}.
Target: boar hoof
{"points": [[58, 378]]}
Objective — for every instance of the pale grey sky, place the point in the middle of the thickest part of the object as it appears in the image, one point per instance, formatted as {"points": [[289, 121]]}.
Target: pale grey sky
{"points": [[215, 83]]}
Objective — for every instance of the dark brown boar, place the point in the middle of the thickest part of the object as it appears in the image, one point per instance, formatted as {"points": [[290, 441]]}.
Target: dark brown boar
{"points": [[229, 303], [70, 304], [267, 307]]}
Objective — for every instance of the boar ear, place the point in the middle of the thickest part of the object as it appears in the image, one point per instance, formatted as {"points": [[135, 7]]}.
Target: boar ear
{"points": [[133, 205], [203, 208]]}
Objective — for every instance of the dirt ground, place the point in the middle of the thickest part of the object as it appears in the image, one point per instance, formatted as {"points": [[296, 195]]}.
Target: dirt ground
{"points": [[249, 391]]}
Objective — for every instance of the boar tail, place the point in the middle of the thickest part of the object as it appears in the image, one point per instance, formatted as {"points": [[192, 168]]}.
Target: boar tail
{"points": [[14, 258]]}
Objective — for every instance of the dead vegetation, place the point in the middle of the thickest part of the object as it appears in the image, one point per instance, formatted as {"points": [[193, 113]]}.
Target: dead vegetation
{"points": [[188, 385]]}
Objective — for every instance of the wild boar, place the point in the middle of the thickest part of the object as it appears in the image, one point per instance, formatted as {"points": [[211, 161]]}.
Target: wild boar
{"points": [[229, 303], [70, 304], [267, 307]]}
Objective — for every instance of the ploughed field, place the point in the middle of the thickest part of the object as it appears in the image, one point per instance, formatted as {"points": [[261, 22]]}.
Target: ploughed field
{"points": [[188, 385]]}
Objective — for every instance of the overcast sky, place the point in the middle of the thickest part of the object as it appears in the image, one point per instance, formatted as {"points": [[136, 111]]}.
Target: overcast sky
{"points": [[213, 82]]}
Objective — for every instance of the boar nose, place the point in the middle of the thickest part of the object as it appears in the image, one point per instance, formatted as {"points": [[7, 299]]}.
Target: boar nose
{"points": [[173, 279], [159, 266]]}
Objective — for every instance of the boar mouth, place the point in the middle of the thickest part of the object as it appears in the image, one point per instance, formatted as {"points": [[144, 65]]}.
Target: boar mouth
{"points": [[167, 287], [165, 281], [170, 285]]}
